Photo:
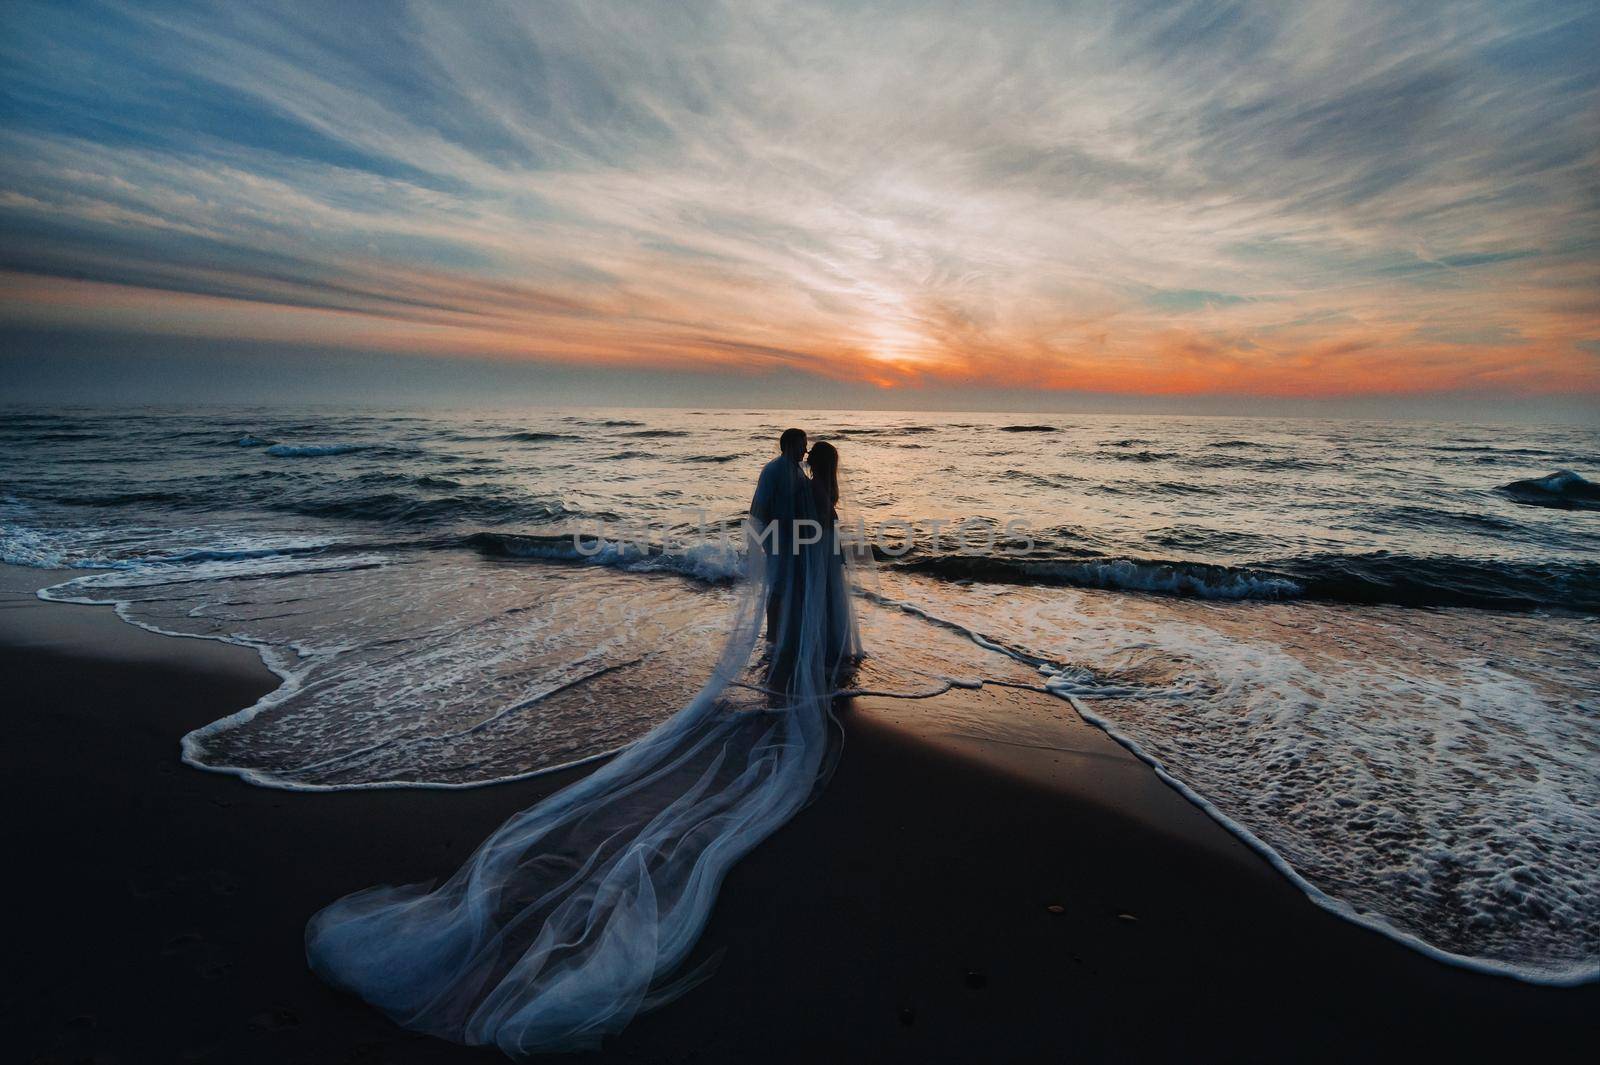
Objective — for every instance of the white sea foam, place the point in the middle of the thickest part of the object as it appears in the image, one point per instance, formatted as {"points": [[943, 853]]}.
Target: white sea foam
{"points": [[21, 546], [1450, 804], [1377, 757], [312, 450], [473, 676], [712, 562], [25, 543]]}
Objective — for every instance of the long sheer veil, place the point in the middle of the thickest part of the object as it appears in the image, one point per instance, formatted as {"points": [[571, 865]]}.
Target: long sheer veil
{"points": [[578, 912]]}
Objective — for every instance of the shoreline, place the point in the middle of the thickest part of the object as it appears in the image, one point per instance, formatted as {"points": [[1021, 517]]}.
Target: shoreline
{"points": [[906, 913]]}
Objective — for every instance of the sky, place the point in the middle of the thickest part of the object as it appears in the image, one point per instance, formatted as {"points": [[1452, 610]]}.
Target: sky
{"points": [[1339, 206]]}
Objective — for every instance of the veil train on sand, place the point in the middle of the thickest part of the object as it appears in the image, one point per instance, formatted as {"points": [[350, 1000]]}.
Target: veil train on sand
{"points": [[578, 912]]}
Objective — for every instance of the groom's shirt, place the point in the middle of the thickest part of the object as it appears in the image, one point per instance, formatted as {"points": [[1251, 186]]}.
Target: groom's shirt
{"points": [[777, 492]]}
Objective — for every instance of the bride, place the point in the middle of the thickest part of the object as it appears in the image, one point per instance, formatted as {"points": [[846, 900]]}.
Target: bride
{"points": [[578, 912]]}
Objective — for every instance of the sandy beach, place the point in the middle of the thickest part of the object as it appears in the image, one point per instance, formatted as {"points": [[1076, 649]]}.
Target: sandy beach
{"points": [[945, 899]]}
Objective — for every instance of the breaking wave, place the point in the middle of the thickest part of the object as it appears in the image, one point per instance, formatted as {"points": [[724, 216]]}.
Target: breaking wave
{"points": [[1563, 490], [1376, 577]]}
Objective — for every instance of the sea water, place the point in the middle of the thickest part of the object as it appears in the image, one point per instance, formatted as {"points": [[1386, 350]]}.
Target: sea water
{"points": [[1368, 648]]}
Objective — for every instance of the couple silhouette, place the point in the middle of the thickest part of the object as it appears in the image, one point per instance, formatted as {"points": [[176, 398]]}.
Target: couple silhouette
{"points": [[580, 912], [795, 517]]}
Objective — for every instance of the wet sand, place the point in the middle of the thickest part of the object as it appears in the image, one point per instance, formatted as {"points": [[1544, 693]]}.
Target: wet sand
{"points": [[947, 898]]}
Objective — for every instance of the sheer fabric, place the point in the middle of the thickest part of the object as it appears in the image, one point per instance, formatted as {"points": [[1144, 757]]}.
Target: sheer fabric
{"points": [[578, 912]]}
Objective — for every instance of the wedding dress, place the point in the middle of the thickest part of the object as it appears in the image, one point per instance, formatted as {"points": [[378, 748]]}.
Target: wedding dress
{"points": [[578, 912]]}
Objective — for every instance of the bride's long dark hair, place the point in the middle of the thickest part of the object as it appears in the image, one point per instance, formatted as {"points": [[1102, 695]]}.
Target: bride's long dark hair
{"points": [[824, 460]]}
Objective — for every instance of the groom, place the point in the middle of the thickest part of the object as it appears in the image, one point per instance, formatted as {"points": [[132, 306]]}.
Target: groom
{"points": [[778, 504]]}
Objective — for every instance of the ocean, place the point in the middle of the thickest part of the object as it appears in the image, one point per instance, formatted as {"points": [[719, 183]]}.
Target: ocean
{"points": [[1367, 648]]}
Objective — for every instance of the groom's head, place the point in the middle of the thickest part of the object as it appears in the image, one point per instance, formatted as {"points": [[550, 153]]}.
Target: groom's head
{"points": [[793, 443]]}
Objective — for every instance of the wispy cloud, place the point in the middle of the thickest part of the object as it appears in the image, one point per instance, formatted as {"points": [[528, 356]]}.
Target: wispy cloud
{"points": [[1231, 197]]}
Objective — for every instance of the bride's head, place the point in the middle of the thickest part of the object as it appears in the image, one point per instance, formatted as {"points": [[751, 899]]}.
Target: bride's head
{"points": [[824, 460]]}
